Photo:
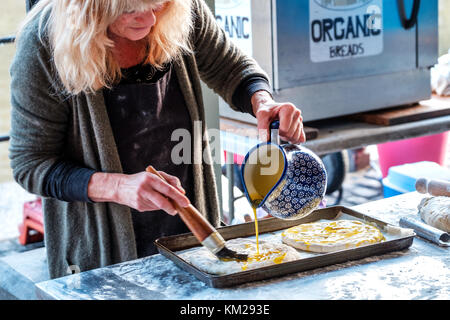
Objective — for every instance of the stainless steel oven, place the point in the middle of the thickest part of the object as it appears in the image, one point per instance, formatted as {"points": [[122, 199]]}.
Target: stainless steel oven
{"points": [[339, 57]]}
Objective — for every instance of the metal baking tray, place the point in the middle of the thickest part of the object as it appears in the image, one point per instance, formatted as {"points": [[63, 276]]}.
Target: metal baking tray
{"points": [[396, 239]]}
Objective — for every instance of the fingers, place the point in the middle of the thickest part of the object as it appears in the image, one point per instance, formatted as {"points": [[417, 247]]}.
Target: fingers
{"points": [[147, 198], [174, 181], [264, 117], [168, 190], [150, 192], [296, 133], [302, 135], [293, 136], [144, 203], [154, 201], [287, 120], [162, 203], [291, 121], [291, 124]]}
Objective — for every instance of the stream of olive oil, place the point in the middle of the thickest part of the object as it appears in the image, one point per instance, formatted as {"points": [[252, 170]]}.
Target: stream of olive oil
{"points": [[262, 178], [256, 231], [254, 206]]}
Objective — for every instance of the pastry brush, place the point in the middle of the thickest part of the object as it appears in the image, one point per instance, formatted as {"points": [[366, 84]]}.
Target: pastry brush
{"points": [[208, 236]]}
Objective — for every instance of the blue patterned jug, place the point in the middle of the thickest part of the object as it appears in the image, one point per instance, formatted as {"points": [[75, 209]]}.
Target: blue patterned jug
{"points": [[288, 181]]}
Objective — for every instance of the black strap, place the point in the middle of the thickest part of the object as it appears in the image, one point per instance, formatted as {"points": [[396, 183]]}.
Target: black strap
{"points": [[411, 22]]}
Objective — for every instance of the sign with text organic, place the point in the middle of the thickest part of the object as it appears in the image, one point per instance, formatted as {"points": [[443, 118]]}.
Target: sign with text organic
{"points": [[343, 29], [234, 16]]}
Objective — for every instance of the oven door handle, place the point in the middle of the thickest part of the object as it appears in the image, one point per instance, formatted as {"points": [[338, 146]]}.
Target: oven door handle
{"points": [[411, 22]]}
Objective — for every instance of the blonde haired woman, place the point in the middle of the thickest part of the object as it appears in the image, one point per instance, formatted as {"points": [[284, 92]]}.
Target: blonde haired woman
{"points": [[98, 86]]}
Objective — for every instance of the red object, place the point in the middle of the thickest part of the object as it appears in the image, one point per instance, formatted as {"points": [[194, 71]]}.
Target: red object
{"points": [[237, 158], [429, 148], [33, 220]]}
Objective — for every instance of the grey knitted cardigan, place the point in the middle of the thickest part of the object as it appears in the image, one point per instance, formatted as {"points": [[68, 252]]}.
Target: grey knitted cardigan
{"points": [[48, 126]]}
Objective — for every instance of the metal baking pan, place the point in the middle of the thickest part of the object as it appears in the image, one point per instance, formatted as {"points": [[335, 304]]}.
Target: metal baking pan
{"points": [[396, 239]]}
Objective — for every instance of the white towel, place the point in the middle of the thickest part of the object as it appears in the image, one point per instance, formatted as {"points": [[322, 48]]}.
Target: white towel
{"points": [[440, 76]]}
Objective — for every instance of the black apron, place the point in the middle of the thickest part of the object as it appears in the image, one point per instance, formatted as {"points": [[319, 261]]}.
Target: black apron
{"points": [[144, 109]]}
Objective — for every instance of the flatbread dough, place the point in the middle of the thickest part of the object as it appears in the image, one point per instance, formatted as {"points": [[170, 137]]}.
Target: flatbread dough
{"points": [[270, 254], [330, 236], [435, 211]]}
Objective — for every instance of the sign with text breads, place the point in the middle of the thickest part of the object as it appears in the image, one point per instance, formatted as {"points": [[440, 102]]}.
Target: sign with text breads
{"points": [[344, 29], [234, 17]]}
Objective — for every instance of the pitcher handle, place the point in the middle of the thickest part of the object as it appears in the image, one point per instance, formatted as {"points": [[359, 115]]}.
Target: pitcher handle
{"points": [[274, 132]]}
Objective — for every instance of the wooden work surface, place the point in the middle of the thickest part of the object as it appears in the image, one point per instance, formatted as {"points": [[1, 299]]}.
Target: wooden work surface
{"points": [[432, 108], [342, 133]]}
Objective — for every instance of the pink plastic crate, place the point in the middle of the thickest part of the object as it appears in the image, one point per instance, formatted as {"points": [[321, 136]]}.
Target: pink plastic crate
{"points": [[429, 148]]}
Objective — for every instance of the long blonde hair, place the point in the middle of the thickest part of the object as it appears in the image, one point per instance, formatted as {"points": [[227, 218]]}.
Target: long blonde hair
{"points": [[82, 50]]}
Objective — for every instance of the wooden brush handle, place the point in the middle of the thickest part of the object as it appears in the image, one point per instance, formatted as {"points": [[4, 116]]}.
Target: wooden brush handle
{"points": [[434, 187], [193, 219]]}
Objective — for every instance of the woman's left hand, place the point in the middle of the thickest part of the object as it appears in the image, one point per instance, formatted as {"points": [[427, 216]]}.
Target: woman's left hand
{"points": [[267, 110]]}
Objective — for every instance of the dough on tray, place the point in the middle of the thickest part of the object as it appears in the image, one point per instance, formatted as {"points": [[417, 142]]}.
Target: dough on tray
{"points": [[435, 211], [330, 236], [270, 254]]}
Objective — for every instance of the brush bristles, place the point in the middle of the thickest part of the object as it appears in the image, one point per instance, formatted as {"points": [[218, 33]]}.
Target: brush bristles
{"points": [[226, 253]]}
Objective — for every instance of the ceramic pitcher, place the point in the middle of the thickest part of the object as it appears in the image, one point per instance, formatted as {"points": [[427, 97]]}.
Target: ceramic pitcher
{"points": [[288, 181]]}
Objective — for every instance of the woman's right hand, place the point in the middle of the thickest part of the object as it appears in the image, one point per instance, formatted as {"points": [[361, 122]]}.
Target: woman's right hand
{"points": [[142, 191]]}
